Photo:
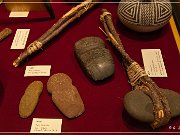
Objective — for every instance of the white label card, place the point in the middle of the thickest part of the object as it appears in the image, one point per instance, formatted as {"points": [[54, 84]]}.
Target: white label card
{"points": [[153, 63], [19, 14], [46, 125], [20, 39], [43, 70]]}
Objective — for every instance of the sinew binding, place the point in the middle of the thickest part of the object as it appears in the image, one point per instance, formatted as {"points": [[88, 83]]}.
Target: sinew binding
{"points": [[62, 23], [140, 82]]}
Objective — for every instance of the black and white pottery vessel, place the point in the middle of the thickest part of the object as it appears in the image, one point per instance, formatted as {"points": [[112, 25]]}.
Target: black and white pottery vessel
{"points": [[144, 15]]}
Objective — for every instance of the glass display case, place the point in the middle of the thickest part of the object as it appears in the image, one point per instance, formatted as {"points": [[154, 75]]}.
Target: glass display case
{"points": [[103, 100]]}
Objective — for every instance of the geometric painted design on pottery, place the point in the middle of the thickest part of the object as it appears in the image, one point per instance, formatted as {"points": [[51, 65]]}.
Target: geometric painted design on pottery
{"points": [[130, 12], [145, 13], [163, 12]]}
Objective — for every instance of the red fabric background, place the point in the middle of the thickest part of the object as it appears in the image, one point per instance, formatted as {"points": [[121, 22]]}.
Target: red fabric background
{"points": [[103, 100]]}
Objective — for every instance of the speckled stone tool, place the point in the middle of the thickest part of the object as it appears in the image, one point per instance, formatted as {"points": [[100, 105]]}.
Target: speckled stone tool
{"points": [[4, 33], [94, 58], [65, 95], [30, 99]]}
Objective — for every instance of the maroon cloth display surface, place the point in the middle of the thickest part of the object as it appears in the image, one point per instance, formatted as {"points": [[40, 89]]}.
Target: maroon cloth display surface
{"points": [[104, 110]]}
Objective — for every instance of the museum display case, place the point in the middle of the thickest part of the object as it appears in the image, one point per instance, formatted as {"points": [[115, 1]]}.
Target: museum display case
{"points": [[71, 39]]}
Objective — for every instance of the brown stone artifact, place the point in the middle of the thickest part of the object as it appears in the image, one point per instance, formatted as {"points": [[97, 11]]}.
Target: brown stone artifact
{"points": [[144, 15], [94, 58], [147, 102], [4, 33], [65, 95], [30, 99]]}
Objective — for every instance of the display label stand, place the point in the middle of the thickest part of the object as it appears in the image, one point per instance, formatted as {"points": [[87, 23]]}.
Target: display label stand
{"points": [[29, 5]]}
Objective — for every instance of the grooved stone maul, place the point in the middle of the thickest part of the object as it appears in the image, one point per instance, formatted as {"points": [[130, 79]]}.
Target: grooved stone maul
{"points": [[94, 58]]}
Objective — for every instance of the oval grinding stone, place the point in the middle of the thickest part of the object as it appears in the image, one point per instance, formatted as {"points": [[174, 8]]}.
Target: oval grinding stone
{"points": [[30, 99], [94, 58], [140, 106], [65, 95]]}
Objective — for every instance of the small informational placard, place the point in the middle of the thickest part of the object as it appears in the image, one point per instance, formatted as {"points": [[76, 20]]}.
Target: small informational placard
{"points": [[20, 39], [46, 125], [153, 63], [19, 14], [40, 70]]}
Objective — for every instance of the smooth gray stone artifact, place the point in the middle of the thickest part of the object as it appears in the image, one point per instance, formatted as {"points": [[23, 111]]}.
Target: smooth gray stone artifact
{"points": [[144, 15], [94, 58], [146, 95], [140, 106]]}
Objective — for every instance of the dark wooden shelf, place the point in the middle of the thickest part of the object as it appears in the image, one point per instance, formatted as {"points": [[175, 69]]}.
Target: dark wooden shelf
{"points": [[176, 13]]}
